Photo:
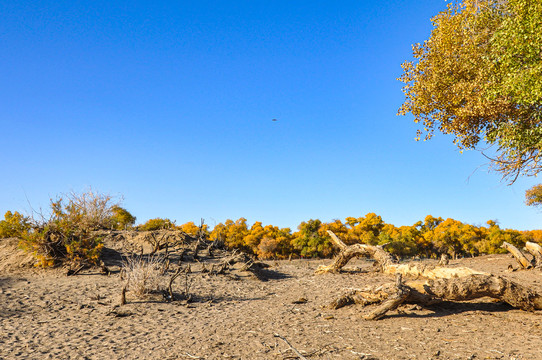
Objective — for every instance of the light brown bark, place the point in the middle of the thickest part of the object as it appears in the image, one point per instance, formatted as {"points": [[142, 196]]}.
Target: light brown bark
{"points": [[399, 296], [387, 263], [535, 250], [518, 255], [456, 289], [444, 283]]}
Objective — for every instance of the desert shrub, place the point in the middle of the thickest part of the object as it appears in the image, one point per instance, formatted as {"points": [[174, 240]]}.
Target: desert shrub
{"points": [[193, 230], [52, 244], [88, 210], [14, 225], [144, 275], [67, 235], [156, 224], [268, 248], [121, 219]]}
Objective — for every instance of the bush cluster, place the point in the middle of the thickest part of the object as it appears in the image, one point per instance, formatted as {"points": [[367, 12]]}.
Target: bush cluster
{"points": [[14, 225], [67, 235], [429, 238], [156, 224]]}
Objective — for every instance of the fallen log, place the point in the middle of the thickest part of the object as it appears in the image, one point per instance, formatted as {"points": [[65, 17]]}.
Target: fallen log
{"points": [[471, 287], [444, 283], [536, 251], [401, 293], [239, 263], [518, 255], [388, 264]]}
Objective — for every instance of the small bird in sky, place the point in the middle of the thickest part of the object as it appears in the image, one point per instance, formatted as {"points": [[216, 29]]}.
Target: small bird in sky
{"points": [[274, 120]]}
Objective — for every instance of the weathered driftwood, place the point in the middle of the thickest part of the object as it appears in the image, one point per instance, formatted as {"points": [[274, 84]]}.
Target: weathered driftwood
{"points": [[518, 255], [536, 251], [456, 284], [444, 260], [388, 264], [123, 294], [390, 296], [401, 293]]}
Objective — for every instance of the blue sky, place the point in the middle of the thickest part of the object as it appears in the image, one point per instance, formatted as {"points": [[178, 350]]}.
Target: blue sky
{"points": [[170, 104]]}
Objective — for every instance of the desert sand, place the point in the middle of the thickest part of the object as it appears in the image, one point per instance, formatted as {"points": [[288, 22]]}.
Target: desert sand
{"points": [[45, 314]]}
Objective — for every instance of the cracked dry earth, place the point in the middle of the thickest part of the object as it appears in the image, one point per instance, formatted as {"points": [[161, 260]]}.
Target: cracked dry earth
{"points": [[47, 315]]}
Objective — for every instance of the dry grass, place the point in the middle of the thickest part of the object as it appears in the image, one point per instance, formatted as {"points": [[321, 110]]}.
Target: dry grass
{"points": [[144, 274]]}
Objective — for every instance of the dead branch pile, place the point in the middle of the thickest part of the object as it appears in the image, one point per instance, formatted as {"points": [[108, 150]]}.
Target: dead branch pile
{"points": [[181, 254], [157, 239], [239, 265]]}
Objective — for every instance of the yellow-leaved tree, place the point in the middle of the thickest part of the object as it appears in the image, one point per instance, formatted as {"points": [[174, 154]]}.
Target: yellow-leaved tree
{"points": [[479, 78]]}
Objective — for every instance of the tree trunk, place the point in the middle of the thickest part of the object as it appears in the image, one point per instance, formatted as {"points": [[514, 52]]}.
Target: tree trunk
{"points": [[387, 264], [518, 255], [444, 259], [455, 284], [536, 251], [390, 296]]}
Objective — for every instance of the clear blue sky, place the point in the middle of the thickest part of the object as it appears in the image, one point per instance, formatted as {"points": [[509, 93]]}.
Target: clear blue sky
{"points": [[171, 104]]}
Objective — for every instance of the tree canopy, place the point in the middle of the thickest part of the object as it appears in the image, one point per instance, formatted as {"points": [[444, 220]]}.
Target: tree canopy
{"points": [[479, 78], [121, 218], [533, 196]]}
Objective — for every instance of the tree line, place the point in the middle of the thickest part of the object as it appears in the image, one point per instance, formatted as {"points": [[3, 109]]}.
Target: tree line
{"points": [[68, 232], [428, 238]]}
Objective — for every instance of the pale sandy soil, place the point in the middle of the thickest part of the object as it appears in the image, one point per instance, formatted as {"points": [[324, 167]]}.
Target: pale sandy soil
{"points": [[47, 315]]}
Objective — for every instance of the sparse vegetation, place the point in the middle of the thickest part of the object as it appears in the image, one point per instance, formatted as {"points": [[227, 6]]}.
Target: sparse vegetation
{"points": [[156, 224], [67, 235], [121, 219], [14, 225], [144, 274]]}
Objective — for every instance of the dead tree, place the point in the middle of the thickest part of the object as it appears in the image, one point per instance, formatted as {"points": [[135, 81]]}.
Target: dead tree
{"points": [[444, 260], [424, 293], [388, 264], [518, 255], [456, 284], [185, 294], [536, 252]]}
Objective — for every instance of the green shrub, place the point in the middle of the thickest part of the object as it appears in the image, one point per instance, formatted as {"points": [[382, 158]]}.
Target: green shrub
{"points": [[121, 218], [67, 236], [14, 225], [156, 224]]}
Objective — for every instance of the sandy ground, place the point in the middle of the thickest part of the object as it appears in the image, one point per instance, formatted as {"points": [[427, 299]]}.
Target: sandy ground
{"points": [[45, 314]]}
